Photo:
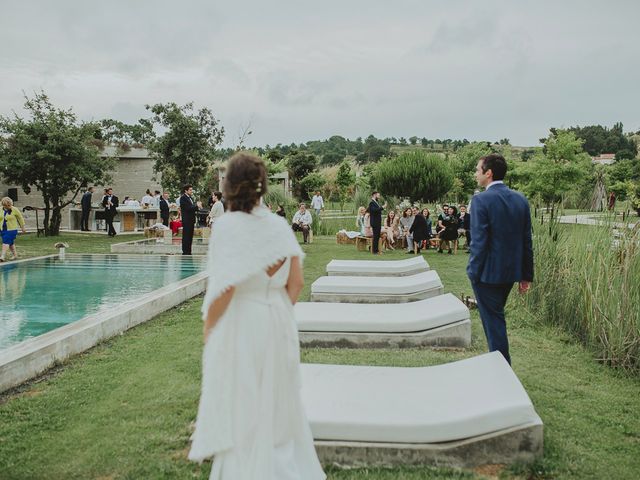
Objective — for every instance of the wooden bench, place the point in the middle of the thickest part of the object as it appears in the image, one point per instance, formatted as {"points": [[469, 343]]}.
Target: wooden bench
{"points": [[364, 243]]}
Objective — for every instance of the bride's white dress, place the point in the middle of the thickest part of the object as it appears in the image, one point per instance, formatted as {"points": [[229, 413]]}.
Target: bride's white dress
{"points": [[251, 416]]}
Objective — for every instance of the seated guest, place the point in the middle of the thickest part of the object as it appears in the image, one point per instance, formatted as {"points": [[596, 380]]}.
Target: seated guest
{"points": [[390, 227], [405, 224], [360, 220], [441, 215], [175, 224], [449, 231], [426, 214], [280, 211], [418, 230], [302, 222], [368, 230]]}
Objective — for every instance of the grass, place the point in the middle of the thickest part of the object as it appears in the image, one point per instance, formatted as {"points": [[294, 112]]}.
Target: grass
{"points": [[123, 410], [30, 245]]}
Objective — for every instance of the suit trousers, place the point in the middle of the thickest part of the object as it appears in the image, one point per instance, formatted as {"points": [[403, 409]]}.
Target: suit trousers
{"points": [[109, 220], [165, 220], [375, 241], [187, 237], [491, 300], [84, 220]]}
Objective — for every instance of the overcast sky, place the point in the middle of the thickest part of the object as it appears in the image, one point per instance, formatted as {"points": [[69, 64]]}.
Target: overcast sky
{"points": [[300, 70]]}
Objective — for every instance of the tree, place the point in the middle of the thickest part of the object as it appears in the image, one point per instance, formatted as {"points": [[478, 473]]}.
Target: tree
{"points": [[374, 149], [52, 152], [115, 132], [185, 152], [464, 164], [309, 184], [504, 141], [552, 174], [300, 165], [416, 175], [345, 180], [413, 140]]}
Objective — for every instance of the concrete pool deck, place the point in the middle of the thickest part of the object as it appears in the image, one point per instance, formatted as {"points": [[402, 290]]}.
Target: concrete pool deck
{"points": [[32, 357], [152, 246]]}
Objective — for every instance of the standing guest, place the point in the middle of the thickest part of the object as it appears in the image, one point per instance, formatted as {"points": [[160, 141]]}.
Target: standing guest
{"points": [[302, 221], [391, 228], [147, 199], [156, 199], [501, 250], [216, 209], [110, 204], [10, 219], [405, 224], [449, 232], [281, 212], [188, 209], [464, 226], [164, 208], [419, 231], [317, 202], [85, 203], [612, 201], [426, 214], [375, 218], [360, 220], [368, 231]]}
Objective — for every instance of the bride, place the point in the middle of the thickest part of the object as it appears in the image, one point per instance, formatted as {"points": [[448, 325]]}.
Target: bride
{"points": [[250, 417]]}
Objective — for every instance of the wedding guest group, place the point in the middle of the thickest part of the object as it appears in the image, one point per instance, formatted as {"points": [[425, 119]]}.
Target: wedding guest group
{"points": [[10, 219]]}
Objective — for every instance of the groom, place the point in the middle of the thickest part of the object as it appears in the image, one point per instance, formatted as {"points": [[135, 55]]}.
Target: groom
{"points": [[501, 249], [375, 219]]}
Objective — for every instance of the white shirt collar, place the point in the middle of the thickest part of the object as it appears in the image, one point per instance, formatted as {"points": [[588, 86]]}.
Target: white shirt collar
{"points": [[495, 182]]}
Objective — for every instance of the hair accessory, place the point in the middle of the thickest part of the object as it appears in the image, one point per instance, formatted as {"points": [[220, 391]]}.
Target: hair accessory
{"points": [[259, 187]]}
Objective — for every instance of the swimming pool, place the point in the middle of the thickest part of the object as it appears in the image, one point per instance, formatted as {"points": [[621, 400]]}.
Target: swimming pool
{"points": [[41, 295]]}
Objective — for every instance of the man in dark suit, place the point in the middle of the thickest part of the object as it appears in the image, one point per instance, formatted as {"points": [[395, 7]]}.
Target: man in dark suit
{"points": [[188, 209], [110, 204], [501, 248], [164, 208], [375, 218], [464, 222], [85, 204]]}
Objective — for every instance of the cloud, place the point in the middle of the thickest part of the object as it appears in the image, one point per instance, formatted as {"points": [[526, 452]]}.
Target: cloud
{"points": [[301, 71]]}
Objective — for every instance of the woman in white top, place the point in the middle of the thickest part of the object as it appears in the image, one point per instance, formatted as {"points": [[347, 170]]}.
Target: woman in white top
{"points": [[250, 417]]}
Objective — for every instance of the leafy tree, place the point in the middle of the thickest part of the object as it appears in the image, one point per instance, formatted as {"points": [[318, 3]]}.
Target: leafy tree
{"points": [[464, 166], [402, 141], [345, 181], [332, 158], [118, 133], [553, 174], [52, 152], [309, 184], [504, 141], [186, 149], [413, 140], [416, 175], [300, 165], [599, 139], [374, 149], [424, 142]]}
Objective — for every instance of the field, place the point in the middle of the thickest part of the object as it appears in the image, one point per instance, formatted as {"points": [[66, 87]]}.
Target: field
{"points": [[124, 409]]}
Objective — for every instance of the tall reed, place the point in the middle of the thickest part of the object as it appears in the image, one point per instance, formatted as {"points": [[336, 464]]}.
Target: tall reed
{"points": [[588, 283]]}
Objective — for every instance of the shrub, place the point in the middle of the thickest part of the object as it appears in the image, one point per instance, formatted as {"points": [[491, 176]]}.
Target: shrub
{"points": [[415, 174]]}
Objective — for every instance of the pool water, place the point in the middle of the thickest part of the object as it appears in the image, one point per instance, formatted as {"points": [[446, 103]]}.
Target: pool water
{"points": [[40, 295]]}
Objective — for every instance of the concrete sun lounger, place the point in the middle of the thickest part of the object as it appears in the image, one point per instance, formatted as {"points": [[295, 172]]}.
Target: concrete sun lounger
{"points": [[441, 321], [463, 414], [373, 268], [350, 289]]}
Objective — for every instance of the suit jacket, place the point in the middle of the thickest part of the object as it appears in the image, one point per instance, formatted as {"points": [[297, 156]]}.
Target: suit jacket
{"points": [[419, 228], [188, 210], [465, 222], [85, 201], [114, 204], [164, 208], [375, 214], [501, 250]]}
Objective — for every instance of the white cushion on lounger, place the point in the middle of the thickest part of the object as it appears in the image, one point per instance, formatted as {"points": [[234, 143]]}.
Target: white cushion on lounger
{"points": [[377, 285], [388, 318], [416, 264], [443, 403]]}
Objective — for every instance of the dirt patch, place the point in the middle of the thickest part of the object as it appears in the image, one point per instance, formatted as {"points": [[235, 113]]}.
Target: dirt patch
{"points": [[489, 471]]}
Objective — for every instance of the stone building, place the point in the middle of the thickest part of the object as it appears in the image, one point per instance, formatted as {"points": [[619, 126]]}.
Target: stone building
{"points": [[132, 176]]}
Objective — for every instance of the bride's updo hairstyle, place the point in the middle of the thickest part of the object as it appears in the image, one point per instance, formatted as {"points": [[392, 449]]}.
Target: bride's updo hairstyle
{"points": [[245, 182]]}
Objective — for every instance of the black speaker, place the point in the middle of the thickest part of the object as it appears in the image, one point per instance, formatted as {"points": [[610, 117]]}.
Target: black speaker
{"points": [[13, 194]]}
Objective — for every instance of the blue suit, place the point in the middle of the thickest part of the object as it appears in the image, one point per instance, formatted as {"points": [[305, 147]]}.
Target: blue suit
{"points": [[501, 254]]}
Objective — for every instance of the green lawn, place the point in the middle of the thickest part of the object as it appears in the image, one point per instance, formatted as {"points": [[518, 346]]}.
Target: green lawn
{"points": [[123, 410]]}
